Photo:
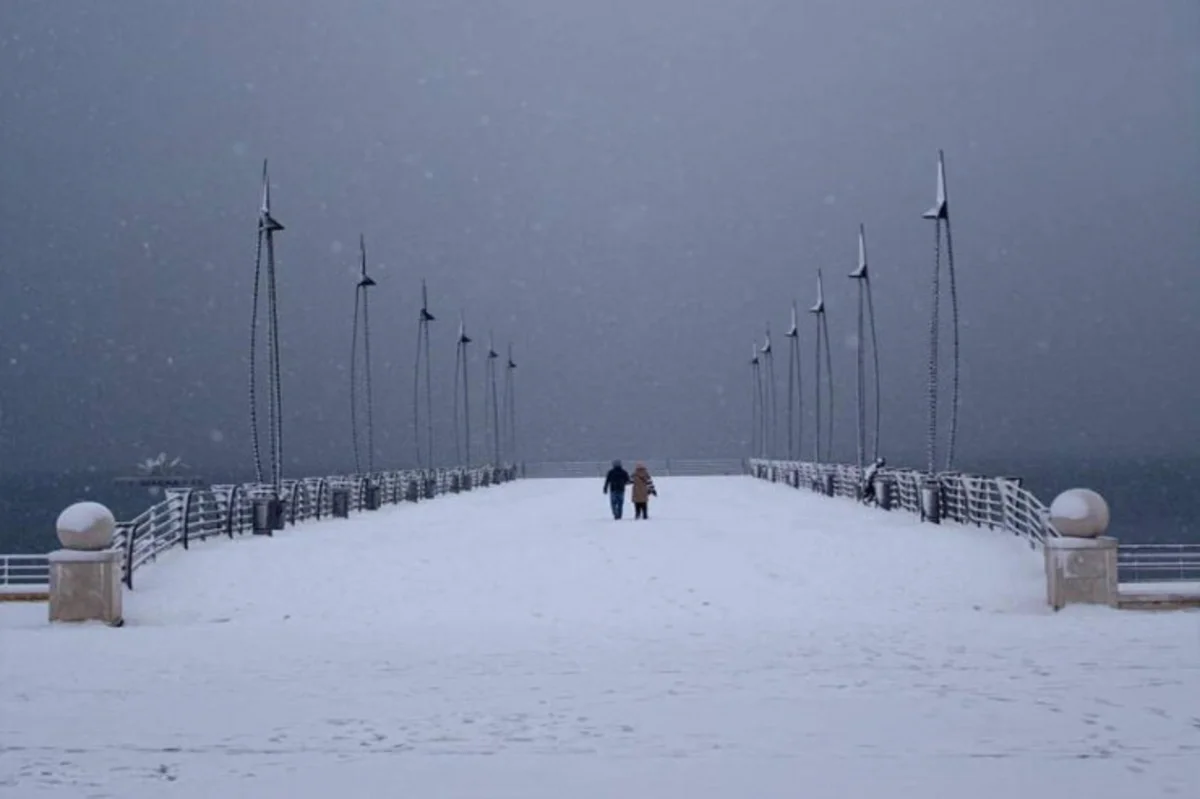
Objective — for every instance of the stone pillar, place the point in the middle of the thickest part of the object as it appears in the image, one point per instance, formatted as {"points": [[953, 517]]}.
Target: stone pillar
{"points": [[1081, 571], [85, 576], [1081, 562]]}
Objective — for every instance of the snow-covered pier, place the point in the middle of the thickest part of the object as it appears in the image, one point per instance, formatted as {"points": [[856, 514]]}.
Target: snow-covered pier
{"points": [[749, 640]]}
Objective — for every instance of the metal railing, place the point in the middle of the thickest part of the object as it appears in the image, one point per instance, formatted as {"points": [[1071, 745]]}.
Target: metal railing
{"points": [[24, 571], [999, 503], [186, 516], [665, 467], [1140, 563]]}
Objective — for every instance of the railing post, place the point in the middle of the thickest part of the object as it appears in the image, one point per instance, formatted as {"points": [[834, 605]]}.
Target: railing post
{"points": [[229, 510], [187, 515], [294, 502], [129, 543], [322, 489]]}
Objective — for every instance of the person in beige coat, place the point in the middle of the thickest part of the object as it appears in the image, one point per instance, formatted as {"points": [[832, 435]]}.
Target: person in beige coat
{"points": [[643, 489]]}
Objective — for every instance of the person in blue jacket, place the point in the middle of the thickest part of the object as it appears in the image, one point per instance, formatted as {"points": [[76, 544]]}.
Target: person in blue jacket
{"points": [[614, 485]]}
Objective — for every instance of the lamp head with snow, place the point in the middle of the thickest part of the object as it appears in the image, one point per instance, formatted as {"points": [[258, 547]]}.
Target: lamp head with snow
{"points": [[266, 222], [819, 305], [426, 316], [941, 207], [364, 280], [860, 273]]}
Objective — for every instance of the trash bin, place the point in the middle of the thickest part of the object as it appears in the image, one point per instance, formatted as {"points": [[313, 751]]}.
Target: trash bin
{"points": [[884, 492], [268, 515], [372, 496], [412, 491], [827, 485], [931, 506], [339, 501], [454, 482], [430, 487], [468, 481]]}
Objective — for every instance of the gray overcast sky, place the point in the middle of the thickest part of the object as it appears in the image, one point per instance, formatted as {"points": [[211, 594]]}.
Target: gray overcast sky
{"points": [[627, 190]]}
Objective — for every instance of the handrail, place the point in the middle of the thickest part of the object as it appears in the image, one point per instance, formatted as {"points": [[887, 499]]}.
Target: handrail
{"points": [[187, 516], [24, 571], [666, 467], [998, 503], [1158, 562]]}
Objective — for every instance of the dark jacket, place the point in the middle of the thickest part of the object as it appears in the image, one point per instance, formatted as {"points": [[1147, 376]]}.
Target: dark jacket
{"points": [[616, 480]]}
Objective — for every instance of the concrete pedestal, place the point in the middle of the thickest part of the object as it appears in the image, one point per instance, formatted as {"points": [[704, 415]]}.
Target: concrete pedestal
{"points": [[85, 586], [1081, 571]]}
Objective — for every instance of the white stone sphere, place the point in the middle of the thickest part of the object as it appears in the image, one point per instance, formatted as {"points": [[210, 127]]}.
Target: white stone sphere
{"points": [[86, 526], [1079, 513]]}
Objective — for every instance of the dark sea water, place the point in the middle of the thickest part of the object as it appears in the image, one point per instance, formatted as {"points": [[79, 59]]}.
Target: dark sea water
{"points": [[30, 504], [1152, 501]]}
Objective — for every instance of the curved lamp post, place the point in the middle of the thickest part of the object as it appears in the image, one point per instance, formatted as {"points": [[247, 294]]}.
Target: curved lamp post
{"points": [[940, 214], [770, 417], [492, 405], [756, 403], [268, 226], [460, 378], [795, 422], [423, 320], [866, 314], [822, 349], [364, 283], [510, 406]]}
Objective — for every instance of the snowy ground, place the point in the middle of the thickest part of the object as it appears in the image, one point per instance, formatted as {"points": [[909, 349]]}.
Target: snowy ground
{"points": [[749, 641]]}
